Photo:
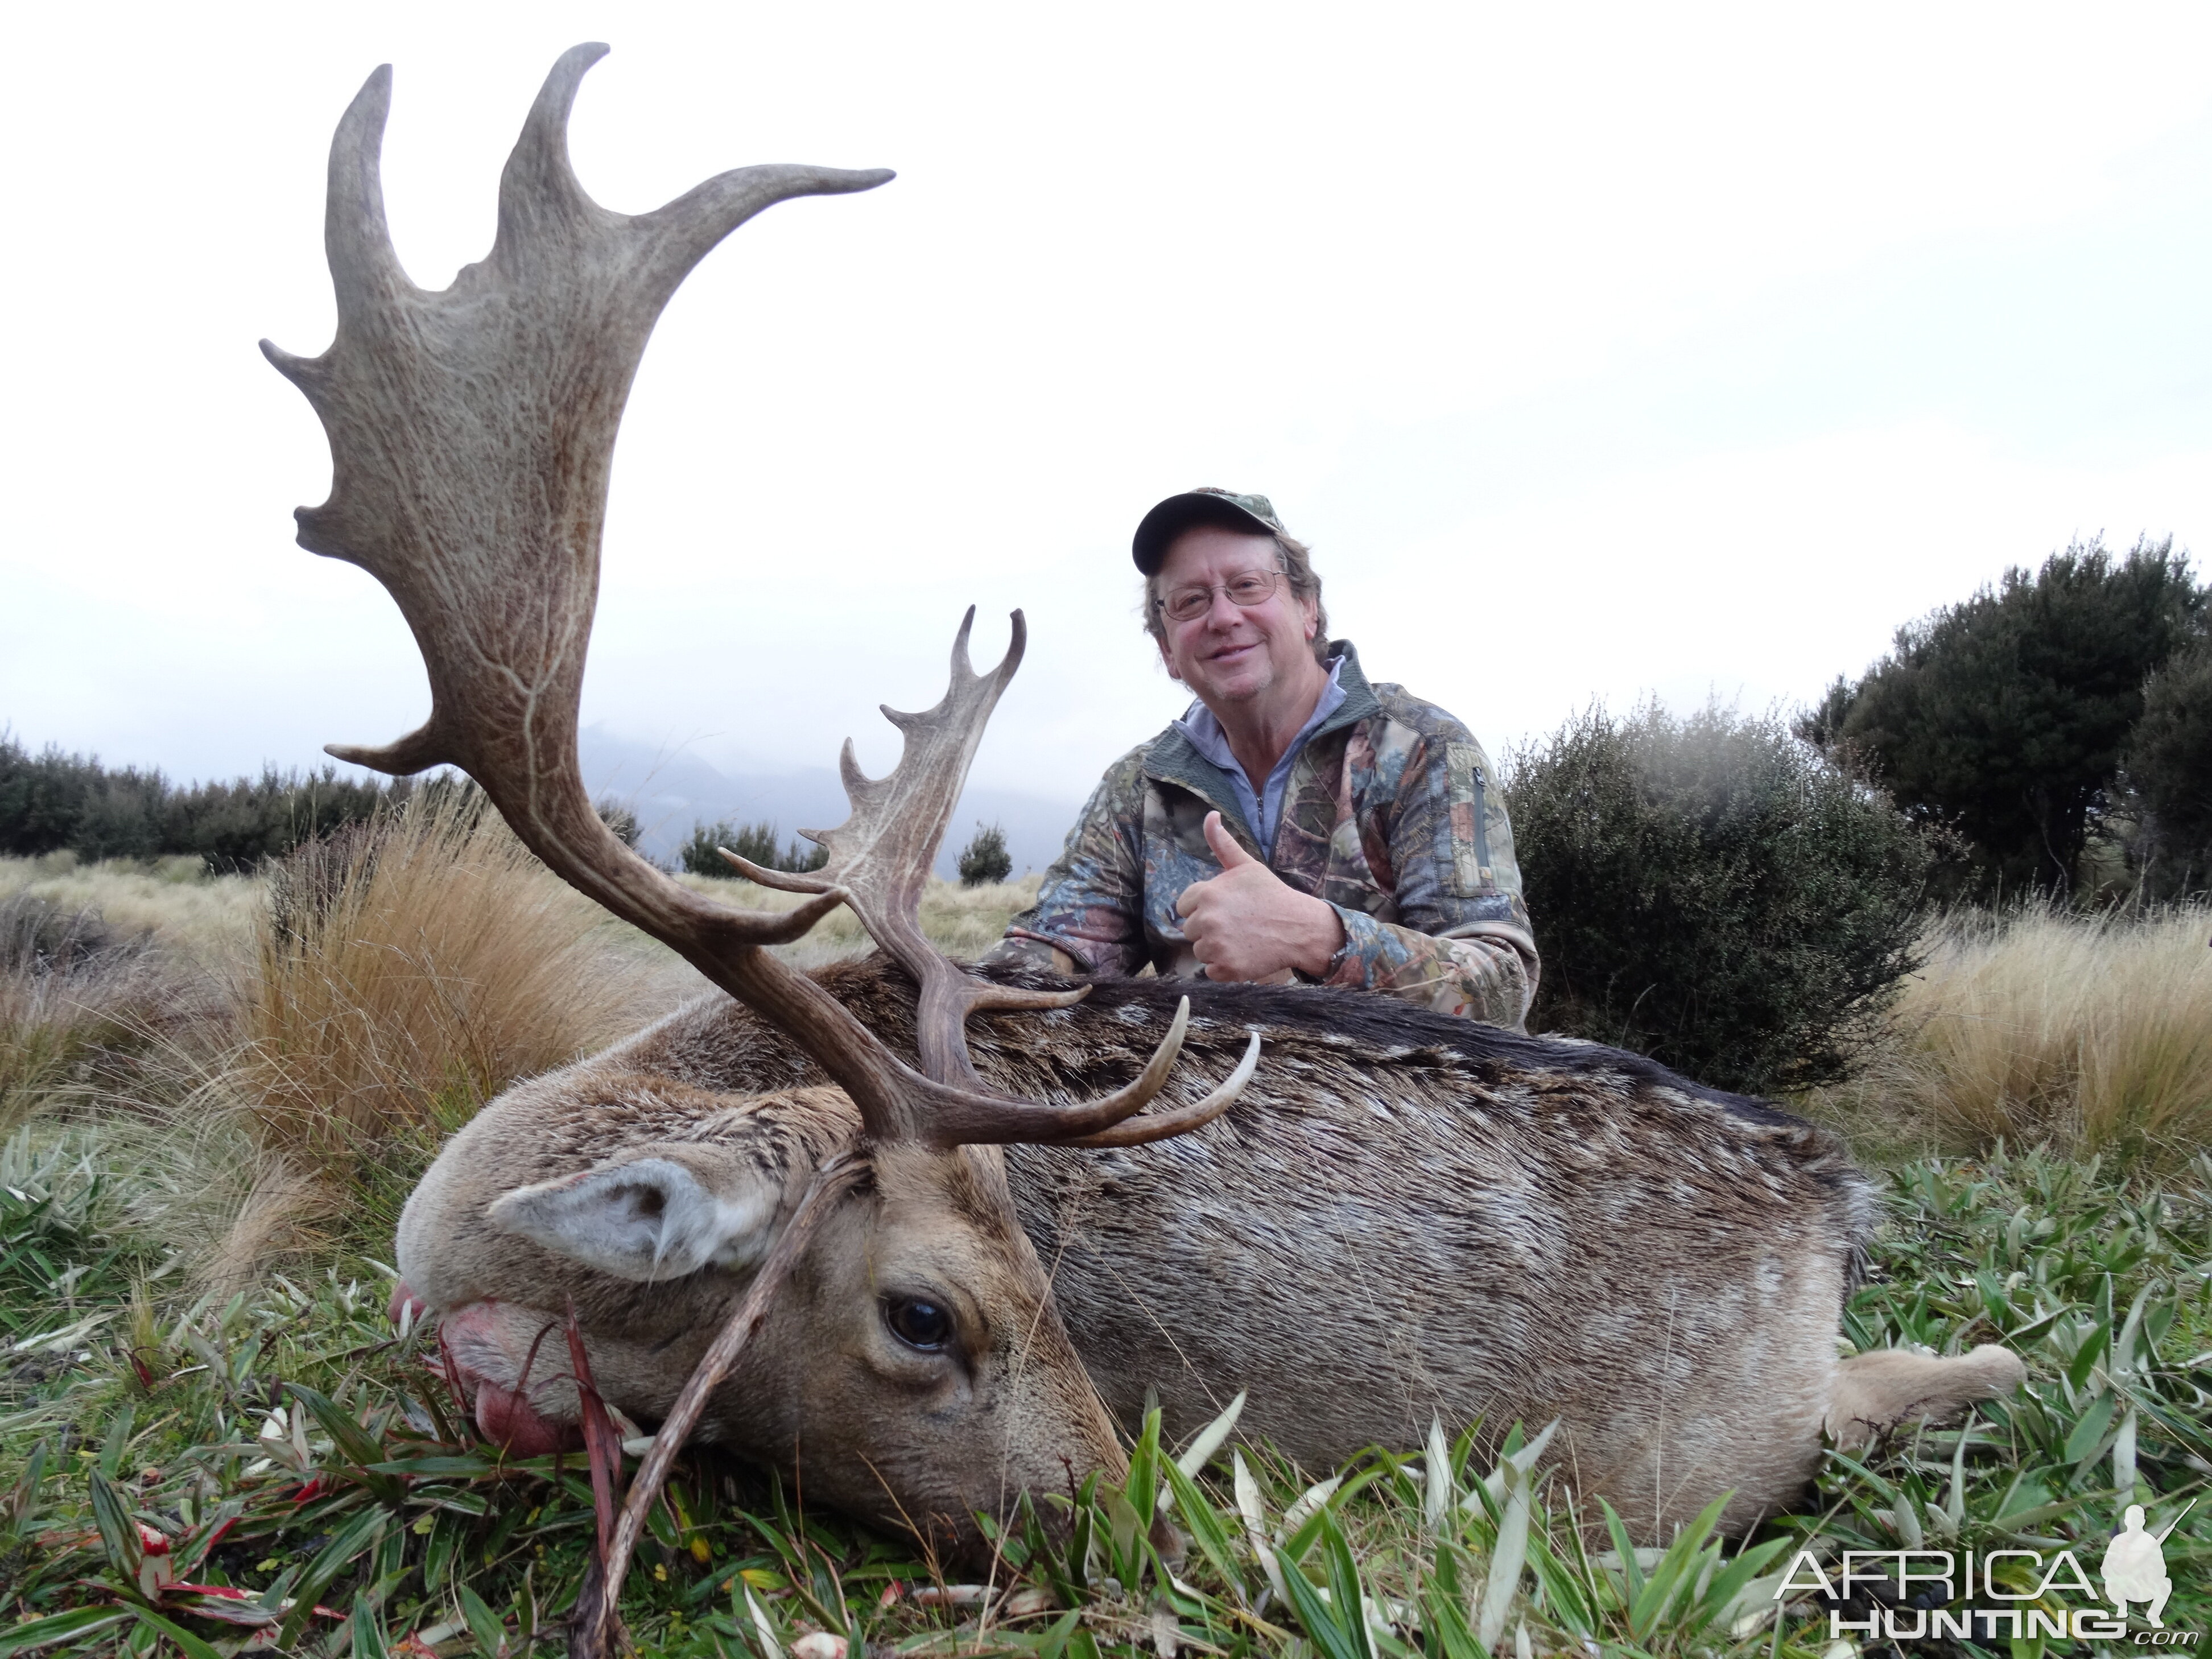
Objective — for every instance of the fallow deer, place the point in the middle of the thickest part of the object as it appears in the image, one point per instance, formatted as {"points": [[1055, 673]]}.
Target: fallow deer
{"points": [[1407, 1215]]}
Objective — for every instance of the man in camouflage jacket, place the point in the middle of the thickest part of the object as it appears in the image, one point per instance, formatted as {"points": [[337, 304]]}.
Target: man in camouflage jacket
{"points": [[1382, 806]]}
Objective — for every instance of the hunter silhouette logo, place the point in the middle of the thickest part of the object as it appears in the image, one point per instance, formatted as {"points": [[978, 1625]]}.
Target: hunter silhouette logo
{"points": [[2022, 1583], [2133, 1568]]}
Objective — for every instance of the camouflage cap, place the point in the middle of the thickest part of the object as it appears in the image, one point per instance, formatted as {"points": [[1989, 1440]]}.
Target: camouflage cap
{"points": [[1253, 514]]}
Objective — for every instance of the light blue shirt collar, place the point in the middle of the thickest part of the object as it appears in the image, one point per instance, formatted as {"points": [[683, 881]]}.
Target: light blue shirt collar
{"points": [[1262, 811]]}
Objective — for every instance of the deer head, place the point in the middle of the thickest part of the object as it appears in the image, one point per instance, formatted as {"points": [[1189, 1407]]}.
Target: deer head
{"points": [[471, 432]]}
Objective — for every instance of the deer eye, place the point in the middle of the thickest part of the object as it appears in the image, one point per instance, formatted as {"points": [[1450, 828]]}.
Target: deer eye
{"points": [[918, 1322]]}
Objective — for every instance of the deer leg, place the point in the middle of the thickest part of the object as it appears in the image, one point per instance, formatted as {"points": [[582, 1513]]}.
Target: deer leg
{"points": [[1875, 1392]]}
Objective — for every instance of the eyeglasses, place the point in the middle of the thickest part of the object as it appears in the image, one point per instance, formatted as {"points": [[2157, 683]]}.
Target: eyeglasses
{"points": [[1246, 589]]}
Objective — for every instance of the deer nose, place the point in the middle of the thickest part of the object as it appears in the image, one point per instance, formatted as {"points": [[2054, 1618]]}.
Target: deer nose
{"points": [[509, 1421]]}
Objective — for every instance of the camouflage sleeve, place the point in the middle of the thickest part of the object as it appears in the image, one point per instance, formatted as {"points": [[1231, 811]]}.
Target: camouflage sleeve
{"points": [[1461, 943], [1088, 916]]}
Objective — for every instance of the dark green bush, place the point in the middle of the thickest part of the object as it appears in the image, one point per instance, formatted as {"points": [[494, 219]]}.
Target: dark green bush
{"points": [[51, 802], [986, 859], [1713, 892], [2169, 767], [755, 842], [2006, 716]]}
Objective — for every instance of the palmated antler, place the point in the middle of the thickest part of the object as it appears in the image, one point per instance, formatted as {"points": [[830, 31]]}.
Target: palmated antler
{"points": [[471, 432]]}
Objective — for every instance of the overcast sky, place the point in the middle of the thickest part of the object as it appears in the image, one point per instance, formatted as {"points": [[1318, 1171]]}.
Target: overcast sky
{"points": [[1683, 351]]}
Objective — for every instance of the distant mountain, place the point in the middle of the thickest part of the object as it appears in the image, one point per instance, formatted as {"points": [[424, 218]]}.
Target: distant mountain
{"points": [[669, 793]]}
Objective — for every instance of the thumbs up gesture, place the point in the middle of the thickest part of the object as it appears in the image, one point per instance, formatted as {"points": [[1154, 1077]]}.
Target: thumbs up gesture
{"points": [[1246, 924]]}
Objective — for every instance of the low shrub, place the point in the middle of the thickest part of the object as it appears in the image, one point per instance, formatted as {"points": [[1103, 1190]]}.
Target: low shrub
{"points": [[756, 842], [618, 817], [2170, 775], [1713, 892], [986, 859]]}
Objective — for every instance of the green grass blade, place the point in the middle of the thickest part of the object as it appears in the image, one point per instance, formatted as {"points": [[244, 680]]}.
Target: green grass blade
{"points": [[1319, 1620], [485, 1626], [1054, 1642], [1729, 1582], [191, 1646], [1442, 1624], [58, 1627], [1204, 1525], [335, 1558], [118, 1533], [23, 1499], [1347, 1594], [368, 1632], [1144, 1481], [1632, 1572], [1676, 1571], [119, 1440]]}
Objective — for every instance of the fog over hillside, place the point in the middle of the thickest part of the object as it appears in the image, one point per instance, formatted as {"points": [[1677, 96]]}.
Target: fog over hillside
{"points": [[669, 790]]}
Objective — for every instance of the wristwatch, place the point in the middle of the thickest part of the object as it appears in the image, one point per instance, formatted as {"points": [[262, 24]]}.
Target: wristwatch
{"points": [[1331, 968]]}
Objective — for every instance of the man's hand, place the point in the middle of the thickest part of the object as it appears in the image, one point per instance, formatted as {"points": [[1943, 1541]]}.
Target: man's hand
{"points": [[1246, 924]]}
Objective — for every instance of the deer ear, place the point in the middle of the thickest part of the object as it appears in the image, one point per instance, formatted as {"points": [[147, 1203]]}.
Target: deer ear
{"points": [[645, 1218]]}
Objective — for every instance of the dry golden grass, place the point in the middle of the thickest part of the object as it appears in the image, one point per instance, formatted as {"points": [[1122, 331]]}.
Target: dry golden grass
{"points": [[175, 899], [2088, 1033], [406, 973]]}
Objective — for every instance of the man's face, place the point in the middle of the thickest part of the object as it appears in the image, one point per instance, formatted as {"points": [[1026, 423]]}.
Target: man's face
{"points": [[1231, 654]]}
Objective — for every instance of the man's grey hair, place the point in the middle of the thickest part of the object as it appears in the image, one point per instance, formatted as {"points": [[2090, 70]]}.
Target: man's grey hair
{"points": [[1294, 559]]}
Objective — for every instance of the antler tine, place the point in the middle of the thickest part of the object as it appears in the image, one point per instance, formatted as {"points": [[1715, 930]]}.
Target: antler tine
{"points": [[964, 1117], [1163, 1126], [355, 234], [537, 170]]}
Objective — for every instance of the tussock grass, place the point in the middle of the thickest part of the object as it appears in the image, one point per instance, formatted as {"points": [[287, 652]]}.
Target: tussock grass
{"points": [[2092, 1033], [407, 971]]}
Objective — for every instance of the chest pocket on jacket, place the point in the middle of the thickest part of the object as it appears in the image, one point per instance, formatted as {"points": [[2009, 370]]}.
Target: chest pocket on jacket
{"points": [[1470, 835]]}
